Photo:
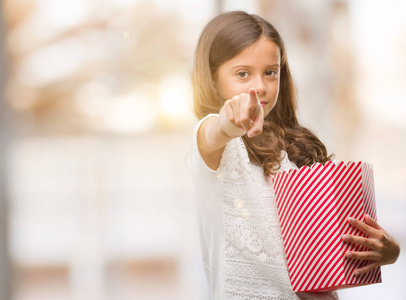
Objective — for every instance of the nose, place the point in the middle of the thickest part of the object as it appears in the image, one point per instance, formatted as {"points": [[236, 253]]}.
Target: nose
{"points": [[260, 86]]}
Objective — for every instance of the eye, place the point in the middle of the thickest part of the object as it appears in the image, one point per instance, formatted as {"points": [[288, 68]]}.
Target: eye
{"points": [[271, 73], [243, 74]]}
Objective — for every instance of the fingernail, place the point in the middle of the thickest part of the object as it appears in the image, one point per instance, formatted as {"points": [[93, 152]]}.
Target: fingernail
{"points": [[356, 273], [346, 237], [252, 134], [348, 255], [350, 219]]}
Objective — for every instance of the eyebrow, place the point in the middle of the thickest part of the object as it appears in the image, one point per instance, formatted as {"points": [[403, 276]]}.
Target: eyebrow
{"points": [[245, 66]]}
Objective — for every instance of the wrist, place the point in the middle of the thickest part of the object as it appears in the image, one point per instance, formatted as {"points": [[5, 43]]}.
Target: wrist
{"points": [[222, 131], [227, 129]]}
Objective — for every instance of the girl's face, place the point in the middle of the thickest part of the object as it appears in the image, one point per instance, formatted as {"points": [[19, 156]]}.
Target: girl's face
{"points": [[258, 67]]}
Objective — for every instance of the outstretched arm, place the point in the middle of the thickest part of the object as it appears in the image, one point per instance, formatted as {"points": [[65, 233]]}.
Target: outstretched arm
{"points": [[383, 248], [243, 114]]}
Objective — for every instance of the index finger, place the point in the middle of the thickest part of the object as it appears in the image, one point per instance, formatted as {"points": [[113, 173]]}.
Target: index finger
{"points": [[363, 227], [258, 123], [254, 101]]}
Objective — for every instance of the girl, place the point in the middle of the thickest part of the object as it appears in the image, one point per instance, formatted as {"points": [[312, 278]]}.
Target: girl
{"points": [[245, 99]]}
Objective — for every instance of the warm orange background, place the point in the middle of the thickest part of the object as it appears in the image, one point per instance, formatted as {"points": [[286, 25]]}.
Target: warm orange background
{"points": [[98, 174]]}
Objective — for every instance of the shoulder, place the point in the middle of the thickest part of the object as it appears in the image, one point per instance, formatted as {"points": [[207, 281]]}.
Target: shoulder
{"points": [[199, 123], [234, 155], [198, 157], [209, 143]]}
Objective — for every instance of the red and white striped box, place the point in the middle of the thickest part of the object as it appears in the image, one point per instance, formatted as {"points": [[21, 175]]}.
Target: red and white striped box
{"points": [[313, 206]]}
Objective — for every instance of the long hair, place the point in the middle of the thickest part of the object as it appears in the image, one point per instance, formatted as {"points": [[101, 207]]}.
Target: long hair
{"points": [[223, 38]]}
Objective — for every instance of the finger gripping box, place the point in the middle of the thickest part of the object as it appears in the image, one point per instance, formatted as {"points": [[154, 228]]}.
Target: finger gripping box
{"points": [[314, 204]]}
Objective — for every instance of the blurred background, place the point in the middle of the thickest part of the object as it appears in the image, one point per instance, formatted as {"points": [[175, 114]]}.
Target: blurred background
{"points": [[96, 123]]}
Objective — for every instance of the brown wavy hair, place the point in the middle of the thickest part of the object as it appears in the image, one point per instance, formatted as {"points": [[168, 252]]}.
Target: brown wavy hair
{"points": [[223, 38]]}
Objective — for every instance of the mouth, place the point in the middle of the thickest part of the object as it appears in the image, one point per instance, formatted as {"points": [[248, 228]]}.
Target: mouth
{"points": [[263, 103]]}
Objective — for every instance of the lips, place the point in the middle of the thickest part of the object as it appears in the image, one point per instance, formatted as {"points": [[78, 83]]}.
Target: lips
{"points": [[263, 103]]}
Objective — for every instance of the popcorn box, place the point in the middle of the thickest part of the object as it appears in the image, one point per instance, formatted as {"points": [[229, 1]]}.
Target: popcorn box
{"points": [[313, 207]]}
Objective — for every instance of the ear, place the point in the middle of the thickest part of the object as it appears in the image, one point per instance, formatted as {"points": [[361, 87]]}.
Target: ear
{"points": [[214, 86]]}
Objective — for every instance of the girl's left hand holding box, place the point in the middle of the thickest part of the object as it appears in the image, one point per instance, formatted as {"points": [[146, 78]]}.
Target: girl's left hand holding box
{"points": [[383, 248]]}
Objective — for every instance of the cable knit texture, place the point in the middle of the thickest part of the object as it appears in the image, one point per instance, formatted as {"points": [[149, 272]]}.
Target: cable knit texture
{"points": [[254, 261]]}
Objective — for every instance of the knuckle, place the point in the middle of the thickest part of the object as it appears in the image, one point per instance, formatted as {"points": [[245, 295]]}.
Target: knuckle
{"points": [[360, 241], [384, 238], [245, 119], [368, 243], [371, 256], [380, 247], [381, 236]]}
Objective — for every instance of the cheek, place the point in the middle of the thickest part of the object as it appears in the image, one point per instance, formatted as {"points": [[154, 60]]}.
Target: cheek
{"points": [[223, 84], [276, 94], [221, 87], [274, 89], [220, 92], [228, 89]]}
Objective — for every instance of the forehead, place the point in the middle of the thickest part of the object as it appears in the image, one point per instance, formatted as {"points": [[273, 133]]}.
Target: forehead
{"points": [[263, 51]]}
